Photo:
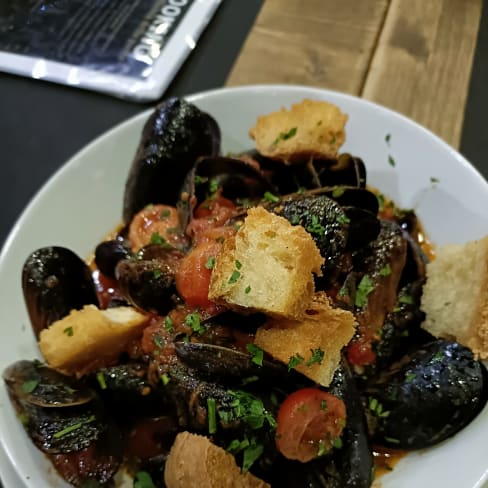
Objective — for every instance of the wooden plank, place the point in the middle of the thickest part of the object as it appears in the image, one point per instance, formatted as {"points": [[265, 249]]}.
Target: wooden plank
{"points": [[326, 43], [423, 61]]}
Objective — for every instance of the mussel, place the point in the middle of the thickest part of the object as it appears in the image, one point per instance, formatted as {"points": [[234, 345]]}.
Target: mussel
{"points": [[148, 281], [175, 135], [64, 419], [55, 281], [109, 253], [427, 396]]}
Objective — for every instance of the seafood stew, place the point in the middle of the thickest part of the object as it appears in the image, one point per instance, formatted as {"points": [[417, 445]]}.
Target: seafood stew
{"points": [[217, 334]]}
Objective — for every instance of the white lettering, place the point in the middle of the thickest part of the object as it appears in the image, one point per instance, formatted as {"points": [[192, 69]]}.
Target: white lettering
{"points": [[142, 53]]}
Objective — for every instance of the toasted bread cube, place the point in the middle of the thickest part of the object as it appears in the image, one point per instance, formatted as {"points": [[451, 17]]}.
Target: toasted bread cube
{"points": [[311, 129], [455, 295], [90, 337], [194, 462], [317, 339], [266, 267]]}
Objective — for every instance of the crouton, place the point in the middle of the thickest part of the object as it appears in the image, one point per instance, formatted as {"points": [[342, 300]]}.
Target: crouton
{"points": [[266, 267], [455, 295], [314, 342], [311, 129], [89, 338], [194, 462]]}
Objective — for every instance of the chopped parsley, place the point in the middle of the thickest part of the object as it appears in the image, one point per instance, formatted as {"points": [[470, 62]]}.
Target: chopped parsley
{"points": [[337, 191], [69, 331], [322, 449], [392, 440], [391, 161], [343, 219], [73, 427], [168, 324], [210, 262], [381, 201], [247, 290], [315, 227], [158, 340], [157, 273], [387, 138], [337, 443], [434, 180], [234, 277], [257, 354], [29, 386], [385, 271], [247, 408], [157, 238], [198, 180], [238, 264], [409, 377], [377, 408], [251, 451], [193, 321], [213, 186], [164, 378], [295, 361], [212, 415], [316, 357], [333, 139], [323, 405], [165, 214], [284, 136], [269, 197], [101, 380], [407, 299], [365, 287], [294, 219], [143, 479]]}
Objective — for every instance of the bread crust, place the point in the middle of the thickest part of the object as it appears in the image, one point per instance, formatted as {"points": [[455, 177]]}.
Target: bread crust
{"points": [[455, 295], [310, 129], [267, 267], [194, 462], [323, 327], [89, 338]]}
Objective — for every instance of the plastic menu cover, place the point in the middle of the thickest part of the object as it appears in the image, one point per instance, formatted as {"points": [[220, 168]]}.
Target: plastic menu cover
{"points": [[128, 48]]}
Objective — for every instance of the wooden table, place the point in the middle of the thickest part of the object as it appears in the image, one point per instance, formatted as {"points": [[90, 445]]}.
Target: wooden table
{"points": [[414, 56]]}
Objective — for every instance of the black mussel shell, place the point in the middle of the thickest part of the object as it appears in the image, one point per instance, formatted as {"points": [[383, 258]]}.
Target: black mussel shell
{"points": [[326, 222], [55, 281], [35, 383], [147, 283], [346, 170], [364, 227], [108, 254], [428, 396], [221, 362], [176, 134]]}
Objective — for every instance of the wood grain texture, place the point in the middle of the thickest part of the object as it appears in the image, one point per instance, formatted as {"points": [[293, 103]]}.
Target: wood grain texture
{"points": [[326, 43], [422, 64]]}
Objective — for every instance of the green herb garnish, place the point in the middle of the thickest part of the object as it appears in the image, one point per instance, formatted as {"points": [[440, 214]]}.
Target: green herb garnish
{"points": [[168, 324], [283, 136], [157, 273], [164, 378], [29, 386], [69, 331], [73, 427], [269, 197], [385, 271], [212, 415], [365, 287], [391, 160], [316, 357], [247, 290], [143, 479], [387, 138], [101, 380], [234, 277], [165, 214], [295, 361], [193, 321], [257, 354], [210, 262]]}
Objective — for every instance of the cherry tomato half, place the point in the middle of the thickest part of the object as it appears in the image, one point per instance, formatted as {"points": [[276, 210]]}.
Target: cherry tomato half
{"points": [[309, 422]]}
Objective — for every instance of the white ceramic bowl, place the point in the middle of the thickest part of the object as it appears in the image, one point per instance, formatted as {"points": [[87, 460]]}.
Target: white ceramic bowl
{"points": [[83, 201]]}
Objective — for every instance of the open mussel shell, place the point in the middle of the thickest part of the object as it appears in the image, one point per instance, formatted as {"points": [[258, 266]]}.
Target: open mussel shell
{"points": [[346, 170], [55, 281], [239, 180], [175, 135], [36, 384], [221, 362], [364, 227], [428, 396]]}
